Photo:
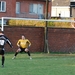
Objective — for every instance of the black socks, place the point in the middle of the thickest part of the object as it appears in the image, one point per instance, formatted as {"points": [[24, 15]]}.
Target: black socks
{"points": [[28, 53], [16, 53], [3, 59]]}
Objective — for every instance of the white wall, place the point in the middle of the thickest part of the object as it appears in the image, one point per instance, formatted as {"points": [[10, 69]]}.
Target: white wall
{"points": [[64, 11]]}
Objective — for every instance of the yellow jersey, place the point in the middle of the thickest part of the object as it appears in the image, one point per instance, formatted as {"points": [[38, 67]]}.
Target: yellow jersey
{"points": [[23, 43]]}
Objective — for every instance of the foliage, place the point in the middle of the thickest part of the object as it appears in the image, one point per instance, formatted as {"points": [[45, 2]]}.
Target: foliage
{"points": [[59, 24], [39, 23], [26, 23]]}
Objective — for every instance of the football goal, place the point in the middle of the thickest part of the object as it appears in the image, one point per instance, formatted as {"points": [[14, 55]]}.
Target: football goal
{"points": [[47, 22]]}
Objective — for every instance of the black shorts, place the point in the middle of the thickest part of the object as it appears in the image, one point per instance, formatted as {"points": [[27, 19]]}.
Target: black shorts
{"points": [[22, 50], [1, 52]]}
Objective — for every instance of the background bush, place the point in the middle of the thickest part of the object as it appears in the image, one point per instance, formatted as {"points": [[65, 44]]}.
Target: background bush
{"points": [[26, 23], [38, 23]]}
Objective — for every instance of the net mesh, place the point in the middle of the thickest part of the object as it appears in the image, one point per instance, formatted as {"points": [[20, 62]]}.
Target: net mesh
{"points": [[56, 23]]}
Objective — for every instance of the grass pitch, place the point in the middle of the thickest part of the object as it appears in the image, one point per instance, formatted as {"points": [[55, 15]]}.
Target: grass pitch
{"points": [[41, 64]]}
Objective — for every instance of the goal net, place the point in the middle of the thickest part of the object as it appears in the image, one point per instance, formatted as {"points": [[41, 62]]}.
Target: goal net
{"points": [[55, 23]]}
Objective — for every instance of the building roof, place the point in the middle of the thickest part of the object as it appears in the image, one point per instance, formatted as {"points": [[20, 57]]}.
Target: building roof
{"points": [[60, 2]]}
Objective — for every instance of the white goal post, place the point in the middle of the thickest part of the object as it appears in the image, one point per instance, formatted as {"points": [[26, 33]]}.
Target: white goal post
{"points": [[45, 20], [50, 20]]}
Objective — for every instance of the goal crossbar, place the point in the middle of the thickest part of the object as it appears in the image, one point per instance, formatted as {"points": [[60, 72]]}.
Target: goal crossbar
{"points": [[47, 20]]}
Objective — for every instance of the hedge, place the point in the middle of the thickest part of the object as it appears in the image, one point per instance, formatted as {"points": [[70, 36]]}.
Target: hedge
{"points": [[38, 23]]}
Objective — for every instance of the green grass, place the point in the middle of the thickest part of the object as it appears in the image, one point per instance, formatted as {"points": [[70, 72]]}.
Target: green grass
{"points": [[41, 64]]}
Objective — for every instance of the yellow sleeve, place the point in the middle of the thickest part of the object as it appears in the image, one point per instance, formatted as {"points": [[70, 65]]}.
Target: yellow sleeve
{"points": [[18, 43], [29, 42]]}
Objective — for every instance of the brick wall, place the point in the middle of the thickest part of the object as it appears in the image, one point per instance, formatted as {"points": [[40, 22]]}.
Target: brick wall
{"points": [[24, 12], [60, 40], [35, 35], [9, 12]]}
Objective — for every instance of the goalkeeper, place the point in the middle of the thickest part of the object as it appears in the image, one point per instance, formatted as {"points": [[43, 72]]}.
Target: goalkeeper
{"points": [[23, 46]]}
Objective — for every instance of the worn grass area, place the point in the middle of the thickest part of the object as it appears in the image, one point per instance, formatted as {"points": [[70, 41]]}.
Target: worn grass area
{"points": [[41, 64]]}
